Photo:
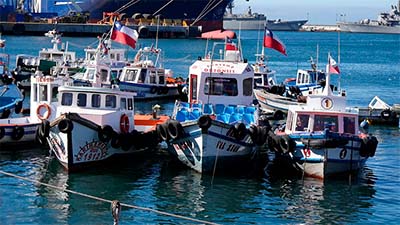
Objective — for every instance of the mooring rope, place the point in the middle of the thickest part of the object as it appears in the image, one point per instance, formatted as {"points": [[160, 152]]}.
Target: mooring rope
{"points": [[106, 200]]}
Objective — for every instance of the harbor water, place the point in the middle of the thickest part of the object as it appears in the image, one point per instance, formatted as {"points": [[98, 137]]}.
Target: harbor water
{"points": [[369, 65]]}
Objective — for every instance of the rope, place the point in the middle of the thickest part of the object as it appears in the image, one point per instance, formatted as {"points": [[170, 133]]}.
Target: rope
{"points": [[106, 200], [204, 14]]}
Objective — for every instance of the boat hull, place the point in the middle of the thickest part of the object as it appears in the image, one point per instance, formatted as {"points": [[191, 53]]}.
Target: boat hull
{"points": [[148, 91], [365, 28], [255, 24], [321, 156], [214, 149], [81, 146], [17, 132], [274, 102]]}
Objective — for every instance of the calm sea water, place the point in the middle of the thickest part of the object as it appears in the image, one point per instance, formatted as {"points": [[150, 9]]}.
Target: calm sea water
{"points": [[370, 66]]}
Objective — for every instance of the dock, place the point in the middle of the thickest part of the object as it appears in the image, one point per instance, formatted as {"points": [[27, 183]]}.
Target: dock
{"points": [[93, 29]]}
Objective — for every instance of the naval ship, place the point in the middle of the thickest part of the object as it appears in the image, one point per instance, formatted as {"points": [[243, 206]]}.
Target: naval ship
{"points": [[387, 23], [256, 21], [206, 13]]}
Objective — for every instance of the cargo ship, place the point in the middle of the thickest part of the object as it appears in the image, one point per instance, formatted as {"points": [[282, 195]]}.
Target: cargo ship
{"points": [[206, 13], [257, 21]]}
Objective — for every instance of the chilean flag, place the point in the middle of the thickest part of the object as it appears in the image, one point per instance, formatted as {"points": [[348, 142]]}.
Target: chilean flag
{"points": [[333, 67], [270, 41], [124, 34]]}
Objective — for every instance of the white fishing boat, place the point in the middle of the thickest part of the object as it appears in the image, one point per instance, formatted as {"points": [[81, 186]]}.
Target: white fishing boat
{"points": [[148, 78], [25, 130], [95, 124], [48, 60], [218, 129], [322, 138]]}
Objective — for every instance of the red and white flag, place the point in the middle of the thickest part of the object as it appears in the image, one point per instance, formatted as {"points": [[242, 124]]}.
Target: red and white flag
{"points": [[229, 45], [333, 67], [124, 34], [271, 41]]}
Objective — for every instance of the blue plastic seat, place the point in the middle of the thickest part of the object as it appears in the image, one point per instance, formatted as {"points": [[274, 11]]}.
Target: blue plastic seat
{"points": [[236, 117], [223, 118], [208, 109], [195, 114], [250, 109], [184, 104], [219, 108], [229, 110], [182, 115], [248, 119], [197, 105], [239, 109]]}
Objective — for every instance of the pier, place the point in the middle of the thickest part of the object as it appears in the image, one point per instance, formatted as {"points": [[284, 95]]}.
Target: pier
{"points": [[93, 29]]}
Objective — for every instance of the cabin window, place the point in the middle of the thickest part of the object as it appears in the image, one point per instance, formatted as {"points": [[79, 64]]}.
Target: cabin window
{"points": [[299, 78], [247, 87], [257, 82], [54, 92], [302, 122], [325, 121], [152, 77], [349, 125], [130, 104], [111, 101], [114, 74], [33, 93], [66, 99], [96, 100], [103, 75], [193, 88], [161, 79], [43, 93], [81, 100], [221, 86], [130, 75], [91, 73], [123, 103], [142, 77]]}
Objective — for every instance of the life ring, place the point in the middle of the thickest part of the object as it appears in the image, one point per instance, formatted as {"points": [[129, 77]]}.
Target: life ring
{"points": [[17, 133], [124, 124], [125, 141], [153, 90], [65, 126], [204, 122], [174, 129], [241, 131], [162, 132], [116, 140], [105, 133], [253, 132], [386, 114], [143, 31], [287, 144], [278, 115], [18, 107], [46, 113], [2, 132]]}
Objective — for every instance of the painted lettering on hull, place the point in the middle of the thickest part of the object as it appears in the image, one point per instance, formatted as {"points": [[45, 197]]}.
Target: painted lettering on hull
{"points": [[92, 151], [229, 147]]}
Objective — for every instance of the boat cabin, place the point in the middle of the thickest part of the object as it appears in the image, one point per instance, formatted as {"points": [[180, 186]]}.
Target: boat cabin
{"points": [[109, 56], [228, 80], [320, 113], [99, 105], [98, 75], [264, 77]]}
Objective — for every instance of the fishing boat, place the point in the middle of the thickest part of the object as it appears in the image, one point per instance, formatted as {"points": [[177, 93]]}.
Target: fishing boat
{"points": [[148, 78], [322, 138], [11, 97], [96, 124], [218, 129], [293, 91], [30, 130], [48, 61]]}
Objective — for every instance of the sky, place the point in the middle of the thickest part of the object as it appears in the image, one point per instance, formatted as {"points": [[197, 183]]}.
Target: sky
{"points": [[323, 12]]}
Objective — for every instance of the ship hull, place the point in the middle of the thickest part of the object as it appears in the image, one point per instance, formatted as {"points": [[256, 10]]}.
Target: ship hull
{"points": [[365, 28], [254, 24]]}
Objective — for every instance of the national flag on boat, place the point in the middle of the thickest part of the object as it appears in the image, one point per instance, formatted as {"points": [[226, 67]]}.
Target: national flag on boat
{"points": [[229, 45], [124, 34], [333, 67], [271, 41]]}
